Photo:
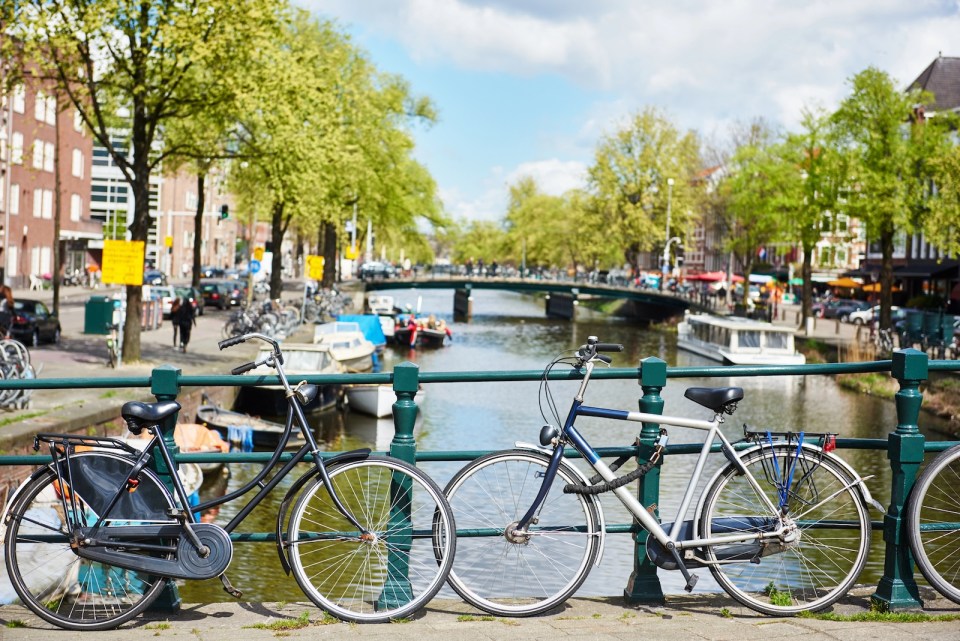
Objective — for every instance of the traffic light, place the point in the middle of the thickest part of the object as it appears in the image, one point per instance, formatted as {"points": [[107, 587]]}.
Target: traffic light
{"points": [[224, 212]]}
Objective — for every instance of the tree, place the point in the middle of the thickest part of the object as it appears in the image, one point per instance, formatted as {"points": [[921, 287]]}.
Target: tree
{"points": [[629, 181], [942, 225], [815, 175], [878, 124], [129, 66]]}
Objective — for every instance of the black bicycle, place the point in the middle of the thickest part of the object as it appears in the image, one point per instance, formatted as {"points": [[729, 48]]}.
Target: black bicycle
{"points": [[93, 537]]}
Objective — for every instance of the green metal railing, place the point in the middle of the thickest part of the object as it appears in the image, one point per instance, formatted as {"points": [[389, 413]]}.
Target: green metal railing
{"points": [[905, 445]]}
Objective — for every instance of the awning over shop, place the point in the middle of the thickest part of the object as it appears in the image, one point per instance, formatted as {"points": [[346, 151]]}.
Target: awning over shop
{"points": [[928, 269], [847, 283]]}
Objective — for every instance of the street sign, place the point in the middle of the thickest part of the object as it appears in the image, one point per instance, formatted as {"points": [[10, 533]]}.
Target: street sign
{"points": [[168, 241], [123, 262], [254, 266], [258, 253], [315, 267], [351, 252]]}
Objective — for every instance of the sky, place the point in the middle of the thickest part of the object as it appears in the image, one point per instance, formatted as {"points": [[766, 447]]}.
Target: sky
{"points": [[530, 87]]}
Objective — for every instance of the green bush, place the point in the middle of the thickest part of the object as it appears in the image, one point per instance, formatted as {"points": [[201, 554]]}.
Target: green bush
{"points": [[925, 301]]}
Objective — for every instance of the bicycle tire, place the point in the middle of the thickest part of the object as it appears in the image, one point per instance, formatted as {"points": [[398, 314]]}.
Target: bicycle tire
{"points": [[526, 576], [833, 533], [932, 515], [51, 580], [363, 582]]}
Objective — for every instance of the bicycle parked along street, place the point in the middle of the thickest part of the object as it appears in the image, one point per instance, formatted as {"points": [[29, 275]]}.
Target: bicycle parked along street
{"points": [[93, 537], [783, 526]]}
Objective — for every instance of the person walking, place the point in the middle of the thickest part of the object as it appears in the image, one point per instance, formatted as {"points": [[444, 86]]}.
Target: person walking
{"points": [[175, 318], [186, 320]]}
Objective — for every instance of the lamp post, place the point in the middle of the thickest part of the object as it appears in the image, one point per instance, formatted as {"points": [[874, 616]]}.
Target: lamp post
{"points": [[665, 264]]}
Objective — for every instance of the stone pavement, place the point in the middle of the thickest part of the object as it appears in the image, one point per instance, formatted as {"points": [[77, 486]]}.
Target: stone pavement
{"points": [[706, 617]]}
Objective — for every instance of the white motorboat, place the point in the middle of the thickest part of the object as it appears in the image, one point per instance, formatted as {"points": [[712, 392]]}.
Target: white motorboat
{"points": [[347, 344], [375, 400], [738, 341], [298, 359]]}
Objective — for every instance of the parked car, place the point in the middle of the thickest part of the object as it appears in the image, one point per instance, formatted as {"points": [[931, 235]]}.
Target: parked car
{"points": [[844, 311], [195, 297], [830, 307], [237, 291], [376, 269], [166, 294], [33, 323], [216, 293], [209, 271], [867, 316], [154, 277]]}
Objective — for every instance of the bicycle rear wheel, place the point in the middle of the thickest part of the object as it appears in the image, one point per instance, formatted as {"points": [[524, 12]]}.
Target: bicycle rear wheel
{"points": [[50, 579], [819, 557], [385, 576], [528, 574], [933, 523]]}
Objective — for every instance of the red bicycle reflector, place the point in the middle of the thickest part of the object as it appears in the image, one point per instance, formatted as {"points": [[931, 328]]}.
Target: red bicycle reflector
{"points": [[829, 443]]}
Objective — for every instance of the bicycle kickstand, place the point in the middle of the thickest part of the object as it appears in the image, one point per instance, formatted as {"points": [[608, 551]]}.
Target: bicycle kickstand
{"points": [[691, 579], [228, 587]]}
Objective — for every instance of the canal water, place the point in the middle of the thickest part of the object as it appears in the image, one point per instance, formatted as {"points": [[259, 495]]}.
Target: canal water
{"points": [[509, 332]]}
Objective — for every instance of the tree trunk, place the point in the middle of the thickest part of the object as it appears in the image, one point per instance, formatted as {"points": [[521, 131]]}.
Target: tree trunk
{"points": [[57, 206], [886, 275], [277, 228], [806, 272], [198, 229], [329, 231]]}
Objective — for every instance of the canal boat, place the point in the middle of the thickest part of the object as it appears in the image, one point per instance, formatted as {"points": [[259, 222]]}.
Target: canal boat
{"points": [[421, 331], [243, 431], [347, 344], [300, 359], [733, 340], [375, 400]]}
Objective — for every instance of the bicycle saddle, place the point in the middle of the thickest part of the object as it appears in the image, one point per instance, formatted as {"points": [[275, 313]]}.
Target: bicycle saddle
{"points": [[138, 414], [716, 398]]}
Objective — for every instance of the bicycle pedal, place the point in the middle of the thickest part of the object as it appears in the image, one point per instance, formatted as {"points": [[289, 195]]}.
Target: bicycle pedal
{"points": [[692, 581]]}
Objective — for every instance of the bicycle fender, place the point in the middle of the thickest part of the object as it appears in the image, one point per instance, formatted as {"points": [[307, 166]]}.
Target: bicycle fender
{"points": [[353, 455], [858, 481], [585, 480], [12, 500]]}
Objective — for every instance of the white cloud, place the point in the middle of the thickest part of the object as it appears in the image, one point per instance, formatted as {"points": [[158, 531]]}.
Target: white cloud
{"points": [[553, 176]]}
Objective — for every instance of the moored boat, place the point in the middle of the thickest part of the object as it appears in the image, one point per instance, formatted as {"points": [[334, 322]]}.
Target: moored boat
{"points": [[422, 331], [733, 340], [347, 344], [299, 359], [236, 425], [375, 400]]}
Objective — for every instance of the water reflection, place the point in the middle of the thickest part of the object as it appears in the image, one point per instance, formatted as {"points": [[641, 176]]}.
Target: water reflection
{"points": [[509, 332]]}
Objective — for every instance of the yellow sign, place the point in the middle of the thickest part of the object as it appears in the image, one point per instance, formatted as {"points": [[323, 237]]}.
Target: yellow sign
{"points": [[315, 267], [351, 253], [258, 253], [123, 262], [168, 241]]}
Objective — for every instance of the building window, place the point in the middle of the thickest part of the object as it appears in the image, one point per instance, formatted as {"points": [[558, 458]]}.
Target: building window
{"points": [[190, 201], [48, 156], [40, 106], [47, 203], [37, 203], [14, 199], [12, 261], [38, 154], [77, 121], [16, 153], [77, 163], [76, 207], [51, 110], [19, 99]]}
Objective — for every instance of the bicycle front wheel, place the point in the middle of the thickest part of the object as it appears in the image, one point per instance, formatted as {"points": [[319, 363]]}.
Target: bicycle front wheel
{"points": [[393, 568], [519, 575], [50, 579], [819, 554], [933, 523]]}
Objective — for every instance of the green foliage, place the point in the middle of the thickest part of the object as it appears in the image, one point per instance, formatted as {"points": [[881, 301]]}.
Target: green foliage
{"points": [[926, 301], [778, 598]]}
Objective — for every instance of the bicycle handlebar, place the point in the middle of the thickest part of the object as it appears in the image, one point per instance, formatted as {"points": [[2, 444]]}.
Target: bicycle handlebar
{"points": [[593, 348], [230, 342], [246, 367]]}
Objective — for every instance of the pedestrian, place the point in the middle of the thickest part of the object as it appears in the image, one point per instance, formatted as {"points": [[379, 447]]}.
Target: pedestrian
{"points": [[186, 320], [175, 318], [6, 310]]}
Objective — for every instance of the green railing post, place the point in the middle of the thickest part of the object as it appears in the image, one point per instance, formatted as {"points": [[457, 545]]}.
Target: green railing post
{"points": [[644, 584], [397, 589], [165, 385], [897, 588]]}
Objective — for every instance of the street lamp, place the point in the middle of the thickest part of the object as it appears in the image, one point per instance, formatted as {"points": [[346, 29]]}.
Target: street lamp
{"points": [[665, 264]]}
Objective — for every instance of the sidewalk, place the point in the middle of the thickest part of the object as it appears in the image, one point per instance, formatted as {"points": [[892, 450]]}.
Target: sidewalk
{"points": [[705, 617]]}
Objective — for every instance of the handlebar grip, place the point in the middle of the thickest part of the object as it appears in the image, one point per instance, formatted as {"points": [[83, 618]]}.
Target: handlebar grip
{"points": [[609, 347], [246, 367], [605, 359], [230, 342]]}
